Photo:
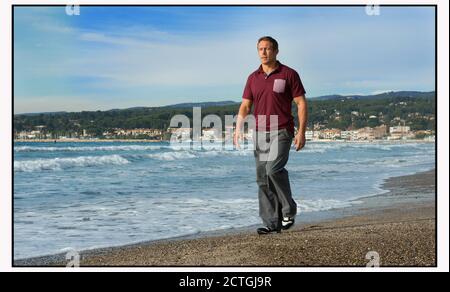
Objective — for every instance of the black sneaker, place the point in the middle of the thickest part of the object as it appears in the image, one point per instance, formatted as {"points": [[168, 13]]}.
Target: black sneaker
{"points": [[267, 230], [287, 222]]}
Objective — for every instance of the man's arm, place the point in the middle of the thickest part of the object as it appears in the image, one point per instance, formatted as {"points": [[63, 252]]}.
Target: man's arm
{"points": [[244, 110], [302, 110]]}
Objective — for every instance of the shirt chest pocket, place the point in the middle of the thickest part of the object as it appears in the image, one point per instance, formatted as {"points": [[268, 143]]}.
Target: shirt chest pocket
{"points": [[279, 85]]}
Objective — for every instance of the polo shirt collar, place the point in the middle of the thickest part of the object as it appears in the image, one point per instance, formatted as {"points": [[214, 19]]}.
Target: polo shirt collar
{"points": [[277, 69]]}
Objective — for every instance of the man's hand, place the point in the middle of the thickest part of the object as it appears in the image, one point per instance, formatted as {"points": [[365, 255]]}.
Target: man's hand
{"points": [[244, 110], [302, 109], [236, 138], [299, 141]]}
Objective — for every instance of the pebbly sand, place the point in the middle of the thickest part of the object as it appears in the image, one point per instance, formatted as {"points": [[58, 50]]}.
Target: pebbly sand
{"points": [[398, 225]]}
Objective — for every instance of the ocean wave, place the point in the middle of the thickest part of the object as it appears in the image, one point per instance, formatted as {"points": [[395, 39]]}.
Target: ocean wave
{"points": [[190, 154], [323, 205], [64, 163], [230, 206], [321, 147], [170, 156], [311, 147], [88, 148], [310, 150]]}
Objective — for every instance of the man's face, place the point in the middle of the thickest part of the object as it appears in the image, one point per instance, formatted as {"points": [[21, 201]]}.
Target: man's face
{"points": [[266, 52]]}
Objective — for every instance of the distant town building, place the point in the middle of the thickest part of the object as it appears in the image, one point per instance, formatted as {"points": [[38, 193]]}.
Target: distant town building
{"points": [[368, 133], [309, 135], [138, 132], [349, 135], [399, 132], [180, 133], [330, 134]]}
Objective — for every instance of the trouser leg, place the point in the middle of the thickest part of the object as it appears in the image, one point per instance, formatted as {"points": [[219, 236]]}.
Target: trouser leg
{"points": [[274, 193], [278, 176], [269, 205]]}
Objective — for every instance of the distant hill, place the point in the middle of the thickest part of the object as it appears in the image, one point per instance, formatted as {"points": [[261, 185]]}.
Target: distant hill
{"points": [[390, 94], [172, 106], [203, 105], [412, 108], [43, 113]]}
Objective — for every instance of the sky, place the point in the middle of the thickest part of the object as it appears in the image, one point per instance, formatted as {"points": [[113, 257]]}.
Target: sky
{"points": [[119, 57]]}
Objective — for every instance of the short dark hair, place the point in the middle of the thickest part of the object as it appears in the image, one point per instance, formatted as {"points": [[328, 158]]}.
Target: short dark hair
{"points": [[270, 39]]}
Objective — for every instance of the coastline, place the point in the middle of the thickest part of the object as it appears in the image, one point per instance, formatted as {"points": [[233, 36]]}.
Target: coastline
{"points": [[75, 140], [398, 224], [85, 140]]}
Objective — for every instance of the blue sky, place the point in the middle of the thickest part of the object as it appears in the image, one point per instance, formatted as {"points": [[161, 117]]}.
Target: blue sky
{"points": [[119, 57]]}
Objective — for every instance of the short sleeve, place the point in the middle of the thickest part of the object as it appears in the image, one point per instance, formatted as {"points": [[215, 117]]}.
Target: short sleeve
{"points": [[297, 88], [248, 90]]}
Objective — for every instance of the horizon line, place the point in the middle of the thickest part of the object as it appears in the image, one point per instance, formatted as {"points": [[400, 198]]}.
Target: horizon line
{"points": [[187, 102]]}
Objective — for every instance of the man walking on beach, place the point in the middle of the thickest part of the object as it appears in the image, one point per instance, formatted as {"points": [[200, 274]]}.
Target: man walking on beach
{"points": [[271, 90]]}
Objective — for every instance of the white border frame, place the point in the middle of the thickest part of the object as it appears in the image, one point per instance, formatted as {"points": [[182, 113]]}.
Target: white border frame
{"points": [[442, 135]]}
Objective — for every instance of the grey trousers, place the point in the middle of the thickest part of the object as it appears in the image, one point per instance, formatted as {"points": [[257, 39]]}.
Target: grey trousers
{"points": [[274, 194]]}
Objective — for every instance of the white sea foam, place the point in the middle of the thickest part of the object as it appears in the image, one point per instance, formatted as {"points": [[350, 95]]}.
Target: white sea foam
{"points": [[189, 154], [170, 156], [64, 163], [88, 148], [312, 147], [321, 147], [323, 205]]}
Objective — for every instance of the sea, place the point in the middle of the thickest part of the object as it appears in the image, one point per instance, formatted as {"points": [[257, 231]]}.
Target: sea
{"points": [[88, 195]]}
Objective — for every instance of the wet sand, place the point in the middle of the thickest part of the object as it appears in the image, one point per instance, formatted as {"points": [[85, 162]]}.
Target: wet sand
{"points": [[398, 225]]}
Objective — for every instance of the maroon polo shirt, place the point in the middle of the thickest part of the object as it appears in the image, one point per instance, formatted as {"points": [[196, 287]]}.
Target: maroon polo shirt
{"points": [[273, 94]]}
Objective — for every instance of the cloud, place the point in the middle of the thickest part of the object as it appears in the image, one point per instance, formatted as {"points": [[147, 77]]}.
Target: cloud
{"points": [[382, 91], [139, 61], [69, 103], [209, 55]]}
